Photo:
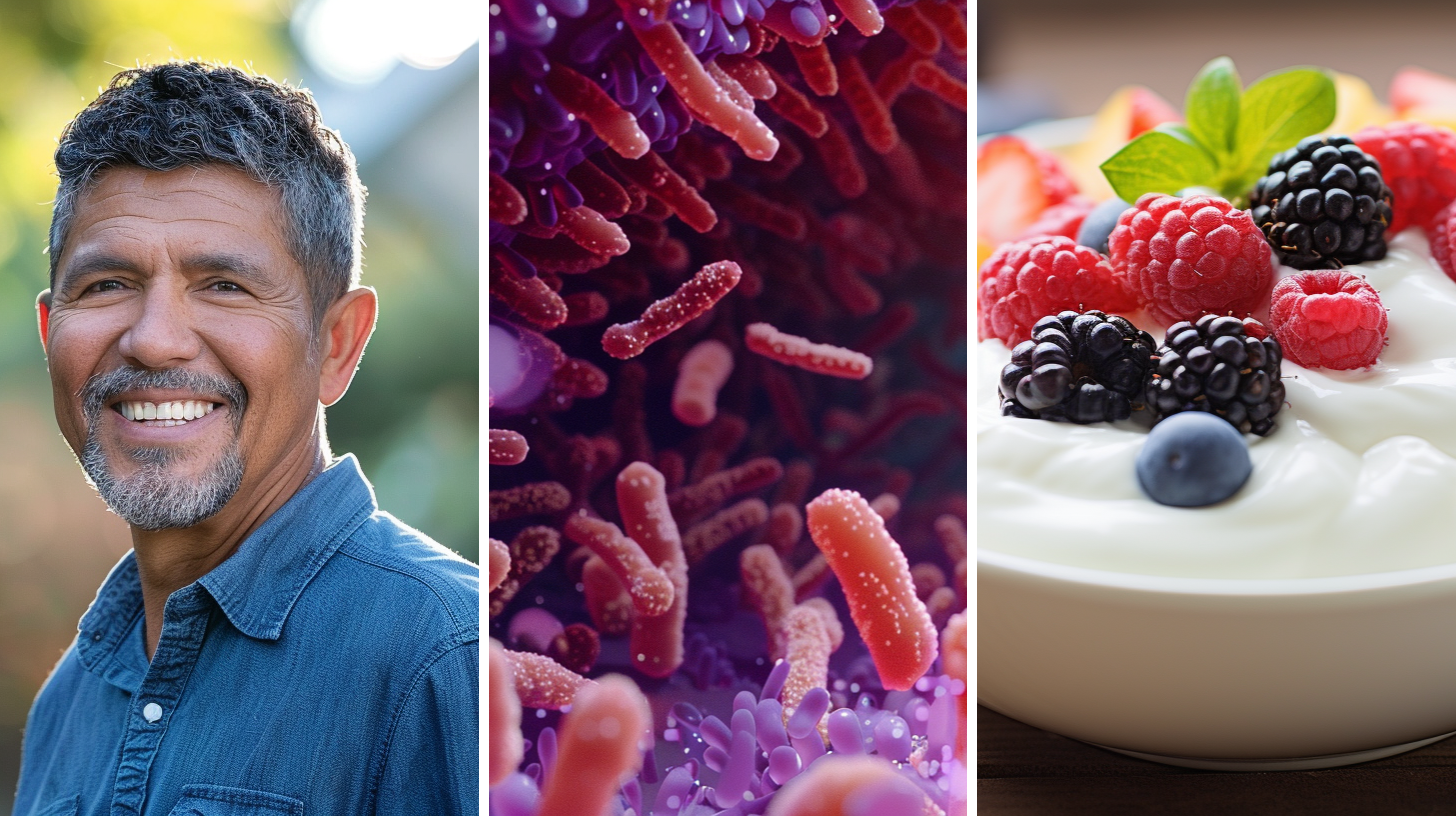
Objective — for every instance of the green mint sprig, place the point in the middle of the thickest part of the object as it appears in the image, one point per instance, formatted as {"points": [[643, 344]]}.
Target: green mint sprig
{"points": [[1230, 135]]}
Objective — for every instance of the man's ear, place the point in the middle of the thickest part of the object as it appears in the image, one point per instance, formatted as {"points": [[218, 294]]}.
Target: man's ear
{"points": [[344, 333], [43, 313]]}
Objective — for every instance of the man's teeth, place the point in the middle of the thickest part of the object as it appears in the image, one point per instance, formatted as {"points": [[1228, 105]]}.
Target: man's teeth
{"points": [[171, 413]]}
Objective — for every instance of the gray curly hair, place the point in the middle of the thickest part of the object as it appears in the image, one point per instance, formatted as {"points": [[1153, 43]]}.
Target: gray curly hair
{"points": [[188, 114]]}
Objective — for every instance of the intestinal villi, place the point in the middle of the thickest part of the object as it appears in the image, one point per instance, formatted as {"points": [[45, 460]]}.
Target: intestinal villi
{"points": [[727, 368]]}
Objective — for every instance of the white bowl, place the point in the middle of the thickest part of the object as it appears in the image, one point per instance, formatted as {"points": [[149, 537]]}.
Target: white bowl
{"points": [[1225, 674], [1231, 674]]}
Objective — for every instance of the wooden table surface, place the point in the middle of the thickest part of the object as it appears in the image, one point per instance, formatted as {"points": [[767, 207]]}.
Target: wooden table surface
{"points": [[1026, 771]]}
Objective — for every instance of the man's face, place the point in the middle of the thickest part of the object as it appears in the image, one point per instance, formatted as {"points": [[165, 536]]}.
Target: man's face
{"points": [[179, 343]]}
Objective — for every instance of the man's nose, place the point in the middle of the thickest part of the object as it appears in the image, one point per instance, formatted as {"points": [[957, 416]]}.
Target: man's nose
{"points": [[162, 335]]}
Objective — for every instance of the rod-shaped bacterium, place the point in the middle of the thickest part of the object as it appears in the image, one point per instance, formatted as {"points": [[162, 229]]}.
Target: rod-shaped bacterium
{"points": [[650, 587], [600, 743], [693, 298], [820, 358], [542, 682], [507, 447], [505, 717], [872, 570], [500, 564], [768, 590], [700, 376], [656, 644]]}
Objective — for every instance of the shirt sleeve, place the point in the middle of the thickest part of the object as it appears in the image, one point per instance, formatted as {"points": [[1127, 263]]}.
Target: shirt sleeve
{"points": [[432, 766]]}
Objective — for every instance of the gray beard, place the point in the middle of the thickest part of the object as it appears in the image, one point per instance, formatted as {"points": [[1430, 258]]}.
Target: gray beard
{"points": [[155, 497]]}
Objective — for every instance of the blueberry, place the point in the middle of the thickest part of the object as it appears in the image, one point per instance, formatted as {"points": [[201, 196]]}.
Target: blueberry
{"points": [[1099, 223], [1193, 459]]}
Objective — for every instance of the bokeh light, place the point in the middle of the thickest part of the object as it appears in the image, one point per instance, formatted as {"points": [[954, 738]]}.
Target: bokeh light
{"points": [[362, 42]]}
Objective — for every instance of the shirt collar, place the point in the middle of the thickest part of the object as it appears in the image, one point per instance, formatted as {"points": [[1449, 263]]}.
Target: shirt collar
{"points": [[258, 585]]}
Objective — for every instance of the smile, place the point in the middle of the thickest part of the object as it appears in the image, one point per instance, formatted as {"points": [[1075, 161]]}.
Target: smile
{"points": [[166, 414]]}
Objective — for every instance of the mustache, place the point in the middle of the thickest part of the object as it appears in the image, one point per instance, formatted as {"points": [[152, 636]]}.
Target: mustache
{"points": [[103, 388]]}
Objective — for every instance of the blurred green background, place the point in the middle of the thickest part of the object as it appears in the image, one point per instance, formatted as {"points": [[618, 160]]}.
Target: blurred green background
{"points": [[393, 79]]}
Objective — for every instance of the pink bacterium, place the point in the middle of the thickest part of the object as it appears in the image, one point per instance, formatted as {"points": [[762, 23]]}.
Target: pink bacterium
{"points": [[700, 376]]}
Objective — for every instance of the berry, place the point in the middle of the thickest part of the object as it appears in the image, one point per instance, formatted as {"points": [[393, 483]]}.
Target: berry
{"points": [[1060, 219], [1148, 110], [1443, 239], [1323, 204], [1328, 319], [1099, 223], [1015, 183], [1193, 460], [1422, 95], [1184, 257], [1419, 163], [1078, 368], [1025, 280], [1255, 329], [1214, 366]]}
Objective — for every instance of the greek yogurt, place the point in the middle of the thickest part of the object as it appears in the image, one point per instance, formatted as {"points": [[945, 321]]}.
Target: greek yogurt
{"points": [[1359, 476]]}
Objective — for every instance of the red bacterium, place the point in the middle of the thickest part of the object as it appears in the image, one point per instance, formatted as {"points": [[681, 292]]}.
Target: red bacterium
{"points": [[877, 583], [700, 376], [696, 296], [649, 587], [820, 358]]}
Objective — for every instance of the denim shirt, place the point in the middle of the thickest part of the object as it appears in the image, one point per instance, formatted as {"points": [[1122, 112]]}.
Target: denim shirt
{"points": [[329, 666]]}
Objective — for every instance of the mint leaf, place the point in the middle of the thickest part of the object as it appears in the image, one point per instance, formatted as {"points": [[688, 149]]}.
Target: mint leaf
{"points": [[1275, 113], [1212, 106], [1163, 160]]}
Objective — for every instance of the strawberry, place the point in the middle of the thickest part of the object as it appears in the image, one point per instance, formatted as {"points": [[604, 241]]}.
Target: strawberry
{"points": [[1015, 184], [1416, 89], [1148, 111]]}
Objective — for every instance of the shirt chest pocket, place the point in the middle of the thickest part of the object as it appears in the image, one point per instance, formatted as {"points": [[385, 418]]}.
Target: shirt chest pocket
{"points": [[214, 800], [60, 807]]}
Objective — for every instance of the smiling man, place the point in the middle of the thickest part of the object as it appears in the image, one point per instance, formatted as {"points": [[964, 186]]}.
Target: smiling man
{"points": [[274, 643]]}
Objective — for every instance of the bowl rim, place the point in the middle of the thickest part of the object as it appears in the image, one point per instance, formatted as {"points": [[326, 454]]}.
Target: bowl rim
{"points": [[1176, 585]]}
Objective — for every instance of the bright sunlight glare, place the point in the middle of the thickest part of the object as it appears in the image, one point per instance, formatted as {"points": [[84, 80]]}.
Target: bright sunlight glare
{"points": [[360, 41]]}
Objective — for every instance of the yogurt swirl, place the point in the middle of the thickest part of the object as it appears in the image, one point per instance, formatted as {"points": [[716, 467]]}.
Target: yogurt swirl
{"points": [[1359, 476]]}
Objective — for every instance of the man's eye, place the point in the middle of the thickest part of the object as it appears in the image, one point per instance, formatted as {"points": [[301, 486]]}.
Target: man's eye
{"points": [[226, 286], [108, 285]]}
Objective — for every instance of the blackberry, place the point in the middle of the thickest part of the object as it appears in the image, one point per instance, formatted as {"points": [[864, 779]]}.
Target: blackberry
{"points": [[1078, 367], [1215, 366], [1323, 204]]}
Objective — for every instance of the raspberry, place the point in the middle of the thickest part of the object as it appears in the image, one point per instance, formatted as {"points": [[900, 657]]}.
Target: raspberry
{"points": [[1181, 258], [1442, 233], [1419, 164], [1328, 319], [1024, 281]]}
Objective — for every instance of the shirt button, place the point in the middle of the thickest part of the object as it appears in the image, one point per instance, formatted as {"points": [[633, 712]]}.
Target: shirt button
{"points": [[152, 712]]}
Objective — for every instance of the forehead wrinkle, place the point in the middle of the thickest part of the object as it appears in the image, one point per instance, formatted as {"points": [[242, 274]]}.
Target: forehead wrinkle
{"points": [[155, 185], [235, 263]]}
